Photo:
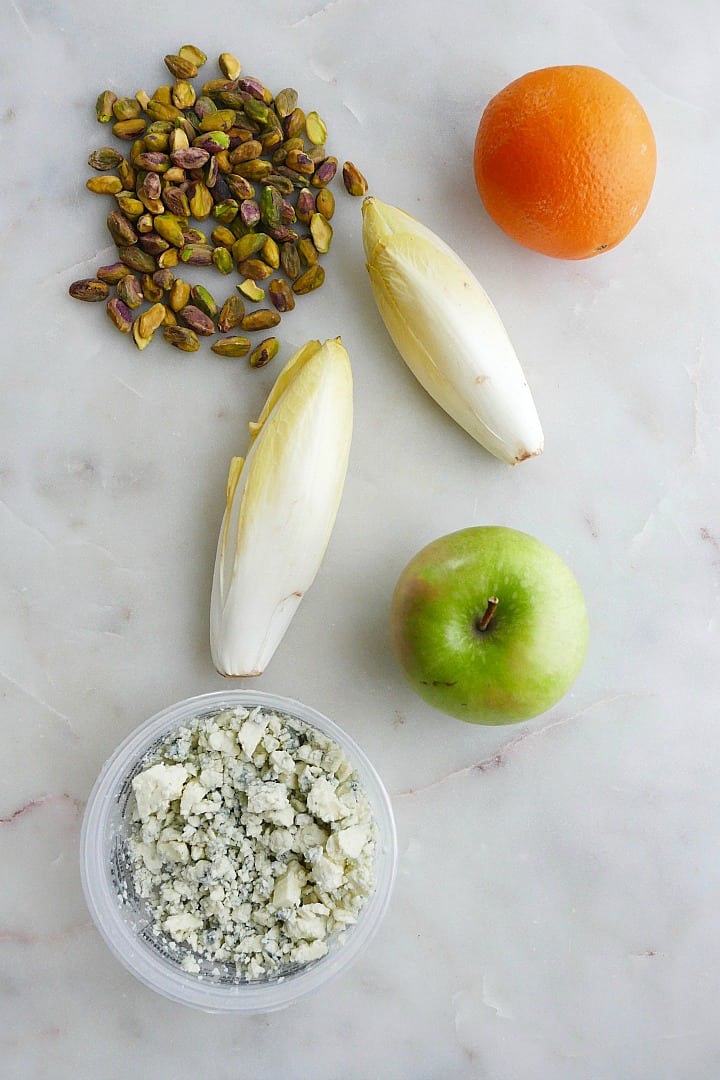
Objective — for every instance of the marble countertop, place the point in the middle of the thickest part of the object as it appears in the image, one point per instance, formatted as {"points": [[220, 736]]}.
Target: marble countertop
{"points": [[555, 915]]}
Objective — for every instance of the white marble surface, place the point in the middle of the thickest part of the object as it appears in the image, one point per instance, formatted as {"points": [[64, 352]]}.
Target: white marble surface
{"points": [[556, 910]]}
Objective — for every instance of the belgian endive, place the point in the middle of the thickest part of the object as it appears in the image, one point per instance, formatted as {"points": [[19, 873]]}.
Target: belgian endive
{"points": [[282, 500], [448, 332]]}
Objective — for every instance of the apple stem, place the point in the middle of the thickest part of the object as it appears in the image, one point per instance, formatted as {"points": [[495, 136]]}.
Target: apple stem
{"points": [[482, 624]]}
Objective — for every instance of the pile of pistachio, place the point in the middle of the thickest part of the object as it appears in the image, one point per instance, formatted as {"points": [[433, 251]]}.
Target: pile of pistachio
{"points": [[254, 166]]}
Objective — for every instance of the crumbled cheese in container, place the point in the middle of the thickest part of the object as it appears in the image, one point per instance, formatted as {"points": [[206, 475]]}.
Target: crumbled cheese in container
{"points": [[252, 842]]}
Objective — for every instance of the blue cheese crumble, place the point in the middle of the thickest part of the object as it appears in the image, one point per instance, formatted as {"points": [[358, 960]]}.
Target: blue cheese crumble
{"points": [[252, 842]]}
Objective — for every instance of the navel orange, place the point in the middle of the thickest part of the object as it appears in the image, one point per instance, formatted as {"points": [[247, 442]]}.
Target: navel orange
{"points": [[565, 161]]}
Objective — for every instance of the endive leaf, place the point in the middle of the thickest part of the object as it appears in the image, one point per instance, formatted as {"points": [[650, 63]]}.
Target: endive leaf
{"points": [[282, 504], [448, 332]]}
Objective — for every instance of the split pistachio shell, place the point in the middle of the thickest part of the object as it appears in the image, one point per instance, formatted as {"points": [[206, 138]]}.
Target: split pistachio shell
{"points": [[448, 333], [282, 501]]}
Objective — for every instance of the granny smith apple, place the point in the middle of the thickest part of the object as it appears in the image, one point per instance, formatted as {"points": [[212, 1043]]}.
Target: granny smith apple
{"points": [[489, 625]]}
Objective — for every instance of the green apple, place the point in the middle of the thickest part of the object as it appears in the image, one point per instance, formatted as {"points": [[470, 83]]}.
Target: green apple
{"points": [[489, 625]]}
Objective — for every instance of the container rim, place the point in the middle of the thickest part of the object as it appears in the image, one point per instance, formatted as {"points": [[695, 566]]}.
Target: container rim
{"points": [[137, 957]]}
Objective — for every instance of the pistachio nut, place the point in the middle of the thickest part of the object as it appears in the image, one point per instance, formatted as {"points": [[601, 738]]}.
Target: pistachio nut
{"points": [[289, 261], [201, 298], [137, 259], [269, 140], [313, 278], [105, 158], [119, 314], [246, 151], [251, 290], [182, 337], [204, 106], [183, 94], [257, 169], [270, 207], [163, 94], [354, 181], [249, 212], [294, 123], [305, 206], [113, 273], [89, 289], [255, 269], [226, 211], [222, 237], [223, 161], [153, 243], [176, 201], [170, 317], [143, 224], [231, 314], [285, 102], [197, 320], [104, 106], [212, 141], [170, 228], [159, 110], [152, 292], [220, 120], [194, 236], [263, 319], [168, 258], [132, 208], [287, 213], [121, 229], [239, 186], [140, 341], [263, 353], [126, 108], [307, 251], [193, 54], [126, 172], [142, 97], [128, 129], [270, 253], [151, 320], [280, 295], [201, 201], [298, 161], [104, 185], [283, 183], [247, 246], [325, 203], [222, 260], [149, 185], [179, 294], [315, 128], [152, 160], [249, 85], [322, 232], [325, 172], [231, 346], [282, 234], [197, 254], [164, 278], [129, 290], [229, 65], [181, 67]]}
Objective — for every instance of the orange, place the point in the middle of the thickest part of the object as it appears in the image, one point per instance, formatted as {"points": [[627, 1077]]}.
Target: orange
{"points": [[565, 161]]}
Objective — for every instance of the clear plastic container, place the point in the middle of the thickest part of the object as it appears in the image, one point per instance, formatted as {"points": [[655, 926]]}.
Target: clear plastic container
{"points": [[125, 925]]}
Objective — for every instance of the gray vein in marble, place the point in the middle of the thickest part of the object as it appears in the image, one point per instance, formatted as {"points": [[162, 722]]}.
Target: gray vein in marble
{"points": [[38, 804], [40, 701], [21, 18], [314, 14], [498, 759]]}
